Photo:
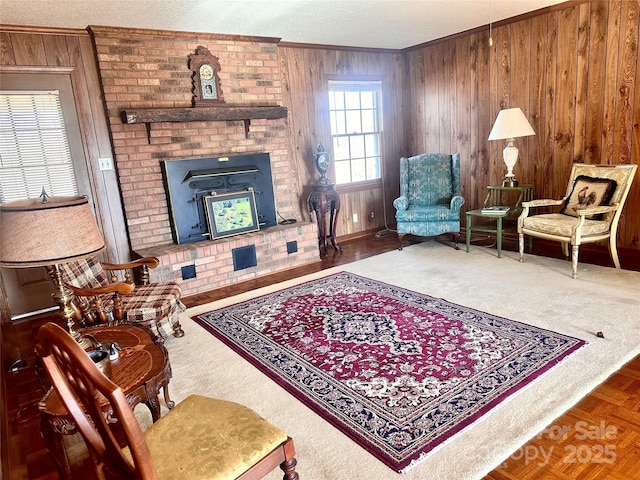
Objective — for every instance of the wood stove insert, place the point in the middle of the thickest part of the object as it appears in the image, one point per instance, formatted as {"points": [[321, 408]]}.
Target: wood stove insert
{"points": [[189, 181]]}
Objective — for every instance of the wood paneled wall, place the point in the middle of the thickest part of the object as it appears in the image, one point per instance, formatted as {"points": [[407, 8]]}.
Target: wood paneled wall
{"points": [[70, 52], [305, 79], [573, 70]]}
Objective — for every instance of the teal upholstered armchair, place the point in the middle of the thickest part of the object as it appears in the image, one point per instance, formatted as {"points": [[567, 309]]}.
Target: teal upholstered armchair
{"points": [[430, 201]]}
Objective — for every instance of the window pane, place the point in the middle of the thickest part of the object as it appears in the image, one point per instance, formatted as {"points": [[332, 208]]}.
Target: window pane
{"points": [[341, 148], [357, 146], [353, 121], [368, 121], [358, 173], [372, 145], [339, 100], [373, 168], [343, 172], [337, 122], [366, 99], [332, 100], [352, 100]]}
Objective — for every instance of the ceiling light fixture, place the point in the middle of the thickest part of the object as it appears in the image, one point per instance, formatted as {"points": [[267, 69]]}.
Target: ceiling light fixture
{"points": [[490, 27]]}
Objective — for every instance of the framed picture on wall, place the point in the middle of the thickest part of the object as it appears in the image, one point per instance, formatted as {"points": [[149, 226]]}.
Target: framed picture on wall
{"points": [[231, 213]]}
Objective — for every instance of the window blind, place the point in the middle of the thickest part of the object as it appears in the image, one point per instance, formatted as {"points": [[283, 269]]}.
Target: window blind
{"points": [[34, 148]]}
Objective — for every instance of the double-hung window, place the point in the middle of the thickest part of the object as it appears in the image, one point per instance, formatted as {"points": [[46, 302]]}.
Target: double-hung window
{"points": [[355, 115]]}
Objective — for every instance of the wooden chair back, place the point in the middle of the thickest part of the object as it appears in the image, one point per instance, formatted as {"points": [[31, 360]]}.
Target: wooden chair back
{"points": [[98, 407]]}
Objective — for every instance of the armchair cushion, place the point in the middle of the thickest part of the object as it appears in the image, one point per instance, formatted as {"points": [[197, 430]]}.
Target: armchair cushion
{"points": [[85, 274], [156, 300], [589, 191], [563, 225], [435, 213]]}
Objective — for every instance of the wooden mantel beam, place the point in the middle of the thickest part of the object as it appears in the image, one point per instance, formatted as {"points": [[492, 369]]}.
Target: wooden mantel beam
{"points": [[198, 114], [194, 114]]}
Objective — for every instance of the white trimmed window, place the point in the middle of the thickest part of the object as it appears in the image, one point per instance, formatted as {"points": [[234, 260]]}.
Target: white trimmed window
{"points": [[355, 116], [34, 148]]}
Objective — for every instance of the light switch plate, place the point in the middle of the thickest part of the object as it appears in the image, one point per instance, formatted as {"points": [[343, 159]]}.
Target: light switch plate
{"points": [[106, 163]]}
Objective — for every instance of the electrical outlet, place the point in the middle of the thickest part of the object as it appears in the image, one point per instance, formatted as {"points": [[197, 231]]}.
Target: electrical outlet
{"points": [[106, 163], [372, 214], [355, 218]]}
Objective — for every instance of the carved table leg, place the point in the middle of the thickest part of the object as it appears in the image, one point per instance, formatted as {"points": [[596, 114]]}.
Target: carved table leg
{"points": [[335, 209], [153, 402], [322, 233], [170, 403]]}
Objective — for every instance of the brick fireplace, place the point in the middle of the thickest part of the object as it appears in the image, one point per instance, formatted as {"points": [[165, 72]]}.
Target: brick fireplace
{"points": [[142, 69]]}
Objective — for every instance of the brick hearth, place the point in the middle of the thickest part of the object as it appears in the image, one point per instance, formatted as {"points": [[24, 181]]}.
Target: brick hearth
{"points": [[214, 263]]}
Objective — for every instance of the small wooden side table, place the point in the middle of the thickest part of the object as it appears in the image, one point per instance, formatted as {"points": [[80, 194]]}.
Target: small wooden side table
{"points": [[141, 370], [323, 199], [511, 197]]}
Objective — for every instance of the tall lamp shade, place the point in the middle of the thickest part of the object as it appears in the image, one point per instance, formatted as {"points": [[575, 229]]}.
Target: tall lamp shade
{"points": [[509, 125], [37, 234], [49, 231]]}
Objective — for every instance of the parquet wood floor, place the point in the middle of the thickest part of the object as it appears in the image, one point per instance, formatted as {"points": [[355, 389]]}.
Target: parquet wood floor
{"points": [[600, 440]]}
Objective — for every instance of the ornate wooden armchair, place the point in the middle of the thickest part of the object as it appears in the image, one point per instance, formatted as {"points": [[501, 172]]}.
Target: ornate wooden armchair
{"points": [[101, 298], [589, 212], [430, 201], [199, 438]]}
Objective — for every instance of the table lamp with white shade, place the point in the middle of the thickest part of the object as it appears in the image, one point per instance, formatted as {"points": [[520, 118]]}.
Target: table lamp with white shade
{"points": [[510, 124]]}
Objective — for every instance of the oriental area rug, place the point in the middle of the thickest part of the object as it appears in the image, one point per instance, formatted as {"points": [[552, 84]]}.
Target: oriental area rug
{"points": [[397, 371]]}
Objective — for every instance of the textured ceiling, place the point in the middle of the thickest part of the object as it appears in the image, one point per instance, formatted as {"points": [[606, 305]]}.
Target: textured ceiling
{"points": [[394, 24]]}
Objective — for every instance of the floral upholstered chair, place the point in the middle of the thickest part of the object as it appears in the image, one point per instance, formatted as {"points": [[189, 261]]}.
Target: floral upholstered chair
{"points": [[589, 212], [102, 298], [430, 200]]}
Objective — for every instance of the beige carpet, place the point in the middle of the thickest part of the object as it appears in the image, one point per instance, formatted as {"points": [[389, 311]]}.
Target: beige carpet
{"points": [[540, 292]]}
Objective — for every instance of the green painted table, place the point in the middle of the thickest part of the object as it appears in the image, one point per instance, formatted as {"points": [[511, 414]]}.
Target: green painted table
{"points": [[499, 195], [486, 228]]}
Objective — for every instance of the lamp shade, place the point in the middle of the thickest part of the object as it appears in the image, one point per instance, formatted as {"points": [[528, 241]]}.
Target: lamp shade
{"points": [[511, 123], [35, 233]]}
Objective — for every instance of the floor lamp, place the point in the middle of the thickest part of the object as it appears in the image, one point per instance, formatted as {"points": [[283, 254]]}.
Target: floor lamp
{"points": [[48, 232]]}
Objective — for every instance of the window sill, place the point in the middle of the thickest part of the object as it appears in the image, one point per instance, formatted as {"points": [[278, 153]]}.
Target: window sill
{"points": [[358, 186]]}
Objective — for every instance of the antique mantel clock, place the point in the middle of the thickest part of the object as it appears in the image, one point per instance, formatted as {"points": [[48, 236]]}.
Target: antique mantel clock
{"points": [[206, 83]]}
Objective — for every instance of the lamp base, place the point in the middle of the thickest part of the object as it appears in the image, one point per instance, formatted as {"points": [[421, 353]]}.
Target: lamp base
{"points": [[510, 182], [63, 297]]}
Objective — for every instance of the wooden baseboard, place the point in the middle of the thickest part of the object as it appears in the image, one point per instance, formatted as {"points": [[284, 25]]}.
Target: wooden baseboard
{"points": [[365, 233]]}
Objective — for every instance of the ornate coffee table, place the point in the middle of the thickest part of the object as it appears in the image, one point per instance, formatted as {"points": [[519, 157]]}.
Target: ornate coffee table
{"points": [[141, 370]]}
